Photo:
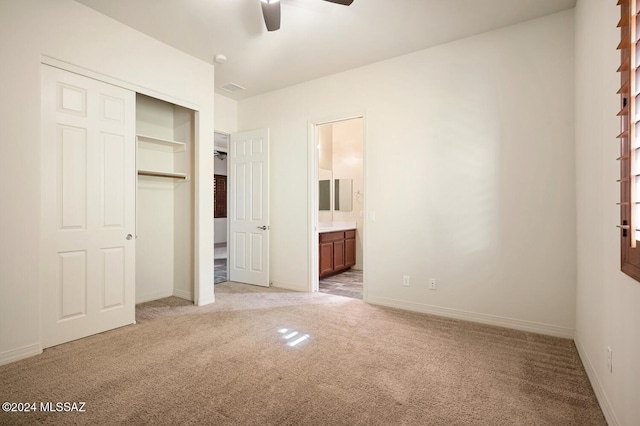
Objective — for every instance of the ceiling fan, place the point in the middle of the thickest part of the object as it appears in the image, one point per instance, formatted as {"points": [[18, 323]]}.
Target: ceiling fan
{"points": [[271, 12]]}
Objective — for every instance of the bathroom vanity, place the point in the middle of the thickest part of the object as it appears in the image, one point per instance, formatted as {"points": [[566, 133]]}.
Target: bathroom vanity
{"points": [[337, 251]]}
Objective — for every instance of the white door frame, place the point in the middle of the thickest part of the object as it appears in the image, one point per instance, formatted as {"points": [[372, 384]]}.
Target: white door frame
{"points": [[313, 165], [215, 148]]}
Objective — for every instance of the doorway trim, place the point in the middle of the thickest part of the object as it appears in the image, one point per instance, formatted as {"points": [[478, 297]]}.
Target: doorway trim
{"points": [[223, 149], [312, 226]]}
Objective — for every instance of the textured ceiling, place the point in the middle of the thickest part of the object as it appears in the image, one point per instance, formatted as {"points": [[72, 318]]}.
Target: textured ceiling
{"points": [[316, 38]]}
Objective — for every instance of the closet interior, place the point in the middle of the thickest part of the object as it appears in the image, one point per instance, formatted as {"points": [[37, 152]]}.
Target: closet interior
{"points": [[165, 200]]}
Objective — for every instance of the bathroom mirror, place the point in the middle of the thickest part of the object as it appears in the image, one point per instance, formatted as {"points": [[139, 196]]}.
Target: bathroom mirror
{"points": [[343, 190], [325, 194]]}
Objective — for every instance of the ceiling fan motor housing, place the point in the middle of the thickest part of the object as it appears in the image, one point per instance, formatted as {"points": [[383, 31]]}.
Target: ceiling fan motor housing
{"points": [[271, 12]]}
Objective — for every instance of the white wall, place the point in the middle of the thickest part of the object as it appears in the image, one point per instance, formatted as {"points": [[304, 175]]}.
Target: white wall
{"points": [[70, 32], [325, 149], [164, 215], [183, 197], [481, 191], [154, 205], [325, 169], [325, 217], [608, 301], [226, 114], [220, 230], [348, 159], [226, 122]]}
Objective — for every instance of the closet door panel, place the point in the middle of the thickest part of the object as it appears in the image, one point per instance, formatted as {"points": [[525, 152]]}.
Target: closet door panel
{"points": [[88, 206], [113, 174], [112, 109], [72, 282], [113, 278], [72, 179]]}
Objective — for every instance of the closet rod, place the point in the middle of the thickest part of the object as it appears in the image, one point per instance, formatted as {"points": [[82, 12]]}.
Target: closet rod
{"points": [[162, 174]]}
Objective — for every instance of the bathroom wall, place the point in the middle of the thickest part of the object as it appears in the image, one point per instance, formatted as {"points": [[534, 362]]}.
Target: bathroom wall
{"points": [[325, 166], [347, 164]]}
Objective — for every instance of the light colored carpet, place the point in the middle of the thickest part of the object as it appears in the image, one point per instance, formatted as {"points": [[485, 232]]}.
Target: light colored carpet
{"points": [[227, 363]]}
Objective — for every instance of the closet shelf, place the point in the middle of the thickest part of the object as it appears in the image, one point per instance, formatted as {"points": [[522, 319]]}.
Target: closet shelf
{"points": [[162, 174], [166, 145]]}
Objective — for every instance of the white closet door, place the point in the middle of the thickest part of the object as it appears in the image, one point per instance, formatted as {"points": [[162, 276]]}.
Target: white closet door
{"points": [[249, 209], [88, 206]]}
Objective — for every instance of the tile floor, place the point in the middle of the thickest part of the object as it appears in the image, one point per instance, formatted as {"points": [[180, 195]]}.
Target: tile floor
{"points": [[220, 271], [348, 284], [220, 263]]}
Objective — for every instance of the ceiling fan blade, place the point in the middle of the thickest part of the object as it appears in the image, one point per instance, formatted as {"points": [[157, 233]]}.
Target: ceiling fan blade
{"points": [[271, 14], [342, 2]]}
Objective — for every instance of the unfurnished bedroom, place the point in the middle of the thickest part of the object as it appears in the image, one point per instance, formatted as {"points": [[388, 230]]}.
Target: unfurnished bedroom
{"points": [[313, 212]]}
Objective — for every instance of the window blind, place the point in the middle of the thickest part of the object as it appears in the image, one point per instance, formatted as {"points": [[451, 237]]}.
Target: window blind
{"points": [[629, 141], [220, 196]]}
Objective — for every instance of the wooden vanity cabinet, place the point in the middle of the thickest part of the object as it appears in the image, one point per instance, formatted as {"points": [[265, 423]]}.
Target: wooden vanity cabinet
{"points": [[338, 255], [326, 259], [349, 248], [337, 252]]}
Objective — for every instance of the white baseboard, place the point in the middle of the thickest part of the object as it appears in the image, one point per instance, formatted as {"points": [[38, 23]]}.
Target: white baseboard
{"points": [[206, 300], [601, 395], [14, 355], [183, 294], [288, 286], [141, 298], [534, 327]]}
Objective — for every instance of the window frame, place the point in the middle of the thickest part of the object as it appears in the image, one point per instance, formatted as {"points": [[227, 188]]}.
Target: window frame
{"points": [[219, 196], [628, 139]]}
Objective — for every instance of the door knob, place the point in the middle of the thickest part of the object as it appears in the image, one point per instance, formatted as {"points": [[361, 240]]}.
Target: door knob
{"points": [[129, 236], [264, 228]]}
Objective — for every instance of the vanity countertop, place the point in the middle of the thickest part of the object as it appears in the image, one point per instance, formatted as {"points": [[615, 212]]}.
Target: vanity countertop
{"points": [[336, 226]]}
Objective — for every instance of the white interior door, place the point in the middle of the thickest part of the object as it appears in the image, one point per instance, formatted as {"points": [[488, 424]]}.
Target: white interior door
{"points": [[88, 206], [249, 207]]}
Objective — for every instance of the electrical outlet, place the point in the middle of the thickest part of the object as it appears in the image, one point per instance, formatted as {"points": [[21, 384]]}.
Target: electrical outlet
{"points": [[405, 280], [432, 284], [609, 359]]}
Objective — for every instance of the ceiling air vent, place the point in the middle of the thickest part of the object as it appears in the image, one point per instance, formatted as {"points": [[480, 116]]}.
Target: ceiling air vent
{"points": [[232, 87]]}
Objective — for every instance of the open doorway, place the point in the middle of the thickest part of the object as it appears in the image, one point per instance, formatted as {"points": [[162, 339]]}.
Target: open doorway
{"points": [[241, 233], [339, 222], [220, 201]]}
